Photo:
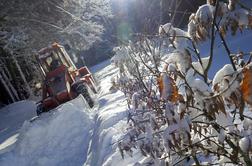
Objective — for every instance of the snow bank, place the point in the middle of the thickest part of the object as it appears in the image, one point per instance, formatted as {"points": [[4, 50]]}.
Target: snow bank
{"points": [[110, 125], [12, 119], [57, 138]]}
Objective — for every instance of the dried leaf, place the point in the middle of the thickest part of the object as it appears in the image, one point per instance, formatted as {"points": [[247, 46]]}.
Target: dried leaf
{"points": [[211, 2], [199, 34], [234, 26], [246, 85], [250, 20], [160, 84], [182, 114], [223, 31], [241, 110], [220, 104], [174, 96]]}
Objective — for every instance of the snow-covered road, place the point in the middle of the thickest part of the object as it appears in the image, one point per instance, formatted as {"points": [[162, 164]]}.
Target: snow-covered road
{"points": [[72, 134], [110, 122]]}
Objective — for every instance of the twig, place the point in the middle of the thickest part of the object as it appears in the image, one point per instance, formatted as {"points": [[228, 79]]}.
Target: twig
{"points": [[212, 39], [226, 47]]}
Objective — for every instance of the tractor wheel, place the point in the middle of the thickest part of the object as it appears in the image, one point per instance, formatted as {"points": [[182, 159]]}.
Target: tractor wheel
{"points": [[40, 109], [83, 90]]}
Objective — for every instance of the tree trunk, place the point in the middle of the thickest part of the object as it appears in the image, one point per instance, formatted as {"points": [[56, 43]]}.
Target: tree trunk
{"points": [[6, 87], [9, 84], [23, 77], [7, 72]]}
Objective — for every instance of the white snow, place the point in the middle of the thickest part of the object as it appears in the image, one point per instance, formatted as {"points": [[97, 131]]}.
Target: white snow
{"points": [[221, 136], [242, 17], [177, 35], [181, 59], [72, 134], [56, 138], [225, 71], [171, 68], [245, 144], [110, 125], [11, 119], [165, 28], [204, 14], [196, 83], [192, 28], [201, 68], [121, 55]]}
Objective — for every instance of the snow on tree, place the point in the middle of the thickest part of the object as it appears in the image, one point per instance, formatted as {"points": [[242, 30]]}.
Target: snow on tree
{"points": [[28, 26], [177, 115], [78, 23]]}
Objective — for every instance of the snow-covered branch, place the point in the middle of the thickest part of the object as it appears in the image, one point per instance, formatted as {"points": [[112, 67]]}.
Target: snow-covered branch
{"points": [[180, 115]]}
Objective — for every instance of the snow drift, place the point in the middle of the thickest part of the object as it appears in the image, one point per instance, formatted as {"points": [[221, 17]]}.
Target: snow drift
{"points": [[12, 118], [57, 138], [110, 124]]}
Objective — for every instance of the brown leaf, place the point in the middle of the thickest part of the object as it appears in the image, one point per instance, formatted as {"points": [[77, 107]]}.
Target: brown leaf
{"points": [[246, 85], [160, 84], [175, 95], [199, 34], [182, 114], [250, 20], [223, 31], [234, 26], [220, 105]]}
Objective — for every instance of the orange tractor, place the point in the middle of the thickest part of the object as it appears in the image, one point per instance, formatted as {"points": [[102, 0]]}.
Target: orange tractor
{"points": [[62, 80]]}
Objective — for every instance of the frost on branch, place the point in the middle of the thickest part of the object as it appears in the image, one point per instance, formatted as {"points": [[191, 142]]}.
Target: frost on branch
{"points": [[176, 35], [222, 77], [200, 23], [180, 58], [230, 16], [201, 68]]}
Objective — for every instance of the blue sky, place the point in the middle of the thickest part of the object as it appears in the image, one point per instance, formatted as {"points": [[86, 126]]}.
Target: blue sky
{"points": [[239, 42]]}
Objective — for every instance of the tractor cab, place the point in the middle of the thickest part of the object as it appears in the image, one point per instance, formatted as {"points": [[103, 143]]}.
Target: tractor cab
{"points": [[62, 80], [50, 58]]}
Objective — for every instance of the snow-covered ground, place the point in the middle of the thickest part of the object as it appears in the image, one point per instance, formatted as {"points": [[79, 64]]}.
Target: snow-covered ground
{"points": [[110, 123], [11, 119], [57, 138], [73, 134]]}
